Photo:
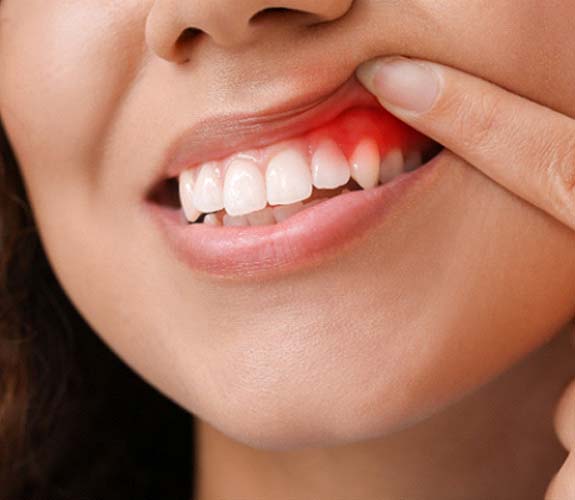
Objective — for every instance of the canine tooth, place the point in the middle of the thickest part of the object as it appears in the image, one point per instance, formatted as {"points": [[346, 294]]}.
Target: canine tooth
{"points": [[413, 160], [365, 163], [281, 213], [329, 166], [244, 188], [208, 189], [262, 217], [288, 178], [212, 220], [391, 165], [238, 220], [186, 190]]}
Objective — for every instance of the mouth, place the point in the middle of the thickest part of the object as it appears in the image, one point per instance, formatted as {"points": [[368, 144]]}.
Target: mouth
{"points": [[281, 194]]}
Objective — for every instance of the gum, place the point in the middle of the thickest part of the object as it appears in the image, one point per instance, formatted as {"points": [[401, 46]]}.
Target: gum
{"points": [[355, 124], [348, 129]]}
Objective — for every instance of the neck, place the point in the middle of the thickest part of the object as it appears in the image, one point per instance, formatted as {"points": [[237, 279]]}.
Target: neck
{"points": [[497, 443]]}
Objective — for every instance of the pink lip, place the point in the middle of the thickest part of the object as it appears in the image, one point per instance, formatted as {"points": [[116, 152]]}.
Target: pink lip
{"points": [[220, 136]]}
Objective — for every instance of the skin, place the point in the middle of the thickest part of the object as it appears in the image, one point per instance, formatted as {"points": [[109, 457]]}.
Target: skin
{"points": [[287, 370], [563, 485]]}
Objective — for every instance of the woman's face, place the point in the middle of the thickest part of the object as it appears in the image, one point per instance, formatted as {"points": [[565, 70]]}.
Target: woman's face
{"points": [[458, 281]]}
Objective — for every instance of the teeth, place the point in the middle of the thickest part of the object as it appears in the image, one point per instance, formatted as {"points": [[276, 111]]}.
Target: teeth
{"points": [[329, 166], [281, 213], [244, 188], [413, 160], [240, 220], [212, 220], [208, 189], [288, 178], [186, 188], [391, 165], [261, 217], [244, 197], [365, 164]]}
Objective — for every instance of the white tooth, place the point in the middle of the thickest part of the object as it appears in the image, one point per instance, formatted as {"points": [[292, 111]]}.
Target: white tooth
{"points": [[208, 189], [262, 217], [244, 188], [329, 166], [186, 188], [281, 213], [365, 164], [391, 165], [212, 220], [288, 178], [413, 160], [240, 220]]}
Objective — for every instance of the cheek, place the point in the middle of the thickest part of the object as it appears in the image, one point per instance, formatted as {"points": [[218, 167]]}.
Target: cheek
{"points": [[60, 83]]}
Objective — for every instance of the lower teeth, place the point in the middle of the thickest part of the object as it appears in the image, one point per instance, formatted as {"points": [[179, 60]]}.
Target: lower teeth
{"points": [[270, 215]]}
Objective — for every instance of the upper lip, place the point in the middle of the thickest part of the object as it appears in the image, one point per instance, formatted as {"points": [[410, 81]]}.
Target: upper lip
{"points": [[222, 135]]}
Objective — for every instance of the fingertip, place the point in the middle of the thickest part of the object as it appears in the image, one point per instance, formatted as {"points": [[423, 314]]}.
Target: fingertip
{"points": [[562, 486], [401, 83], [564, 418]]}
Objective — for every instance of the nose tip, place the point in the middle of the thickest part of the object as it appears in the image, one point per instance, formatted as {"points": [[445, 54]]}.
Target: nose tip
{"points": [[172, 26]]}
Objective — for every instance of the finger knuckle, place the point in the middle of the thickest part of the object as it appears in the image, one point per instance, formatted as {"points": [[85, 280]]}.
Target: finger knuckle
{"points": [[477, 118], [559, 164]]}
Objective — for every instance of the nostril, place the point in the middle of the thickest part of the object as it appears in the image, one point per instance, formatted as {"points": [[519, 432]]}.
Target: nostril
{"points": [[187, 36], [274, 12]]}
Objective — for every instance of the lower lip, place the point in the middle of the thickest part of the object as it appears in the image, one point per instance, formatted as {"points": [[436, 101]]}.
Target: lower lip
{"points": [[305, 239]]}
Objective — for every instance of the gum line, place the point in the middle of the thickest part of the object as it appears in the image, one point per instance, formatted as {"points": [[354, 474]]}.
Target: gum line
{"points": [[347, 130]]}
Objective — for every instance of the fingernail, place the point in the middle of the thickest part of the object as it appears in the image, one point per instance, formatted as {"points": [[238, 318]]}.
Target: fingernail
{"points": [[402, 83]]}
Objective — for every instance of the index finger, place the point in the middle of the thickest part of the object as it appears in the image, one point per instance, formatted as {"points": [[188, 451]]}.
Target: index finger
{"points": [[524, 146]]}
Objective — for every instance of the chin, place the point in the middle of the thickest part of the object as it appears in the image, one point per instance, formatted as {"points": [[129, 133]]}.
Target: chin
{"points": [[293, 403]]}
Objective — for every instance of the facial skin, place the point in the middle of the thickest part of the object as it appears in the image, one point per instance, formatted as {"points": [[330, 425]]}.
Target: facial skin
{"points": [[387, 333]]}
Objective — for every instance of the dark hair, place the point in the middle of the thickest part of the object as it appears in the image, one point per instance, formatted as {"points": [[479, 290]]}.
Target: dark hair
{"points": [[75, 422]]}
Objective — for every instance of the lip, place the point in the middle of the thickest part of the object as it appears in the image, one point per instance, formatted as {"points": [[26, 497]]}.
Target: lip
{"points": [[304, 239], [222, 135]]}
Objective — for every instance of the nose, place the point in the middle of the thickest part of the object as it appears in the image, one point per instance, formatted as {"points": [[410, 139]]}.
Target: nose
{"points": [[173, 25]]}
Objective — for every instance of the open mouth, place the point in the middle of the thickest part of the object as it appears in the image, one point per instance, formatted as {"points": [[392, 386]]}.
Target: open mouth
{"points": [[246, 195], [362, 148]]}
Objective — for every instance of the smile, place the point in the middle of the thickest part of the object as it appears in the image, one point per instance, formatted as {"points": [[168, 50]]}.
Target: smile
{"points": [[277, 206]]}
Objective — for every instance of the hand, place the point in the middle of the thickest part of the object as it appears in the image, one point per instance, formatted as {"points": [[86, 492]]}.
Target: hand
{"points": [[525, 147], [563, 485]]}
